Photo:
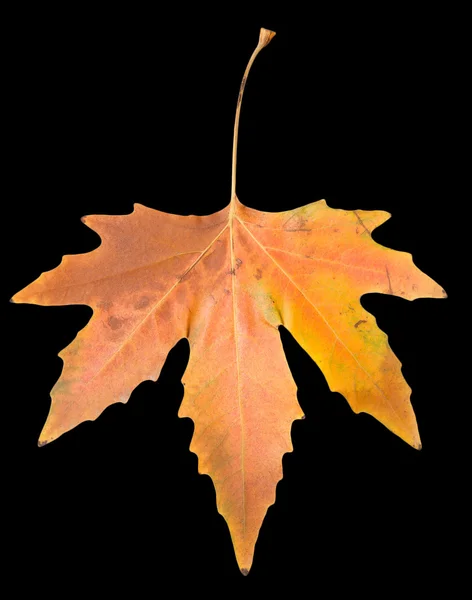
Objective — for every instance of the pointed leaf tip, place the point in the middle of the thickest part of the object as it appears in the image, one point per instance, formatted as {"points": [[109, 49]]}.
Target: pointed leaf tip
{"points": [[245, 571]]}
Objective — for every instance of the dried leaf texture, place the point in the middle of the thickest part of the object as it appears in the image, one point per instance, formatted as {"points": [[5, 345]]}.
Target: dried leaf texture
{"points": [[226, 282]]}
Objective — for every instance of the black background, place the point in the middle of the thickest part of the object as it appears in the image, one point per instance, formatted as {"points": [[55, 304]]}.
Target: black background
{"points": [[112, 109]]}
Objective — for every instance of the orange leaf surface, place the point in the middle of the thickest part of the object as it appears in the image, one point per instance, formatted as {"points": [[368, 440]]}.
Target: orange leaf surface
{"points": [[226, 282]]}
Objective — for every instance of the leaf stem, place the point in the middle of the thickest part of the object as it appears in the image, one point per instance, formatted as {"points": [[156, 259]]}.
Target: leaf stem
{"points": [[264, 38]]}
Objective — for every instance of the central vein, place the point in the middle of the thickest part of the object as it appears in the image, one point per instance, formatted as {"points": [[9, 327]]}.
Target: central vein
{"points": [[264, 38], [236, 349]]}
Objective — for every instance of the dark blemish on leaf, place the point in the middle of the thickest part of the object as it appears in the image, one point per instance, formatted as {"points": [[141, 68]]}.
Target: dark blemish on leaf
{"points": [[226, 291], [336, 230], [41, 444], [350, 307], [359, 322], [231, 272], [361, 222], [414, 287], [444, 293], [115, 323], [357, 229], [164, 314], [159, 286], [390, 291], [296, 223], [105, 304], [186, 276], [244, 572], [180, 295], [239, 262], [214, 260], [142, 302], [258, 274]]}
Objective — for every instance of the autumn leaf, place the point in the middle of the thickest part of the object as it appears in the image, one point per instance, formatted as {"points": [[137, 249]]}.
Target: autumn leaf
{"points": [[226, 282]]}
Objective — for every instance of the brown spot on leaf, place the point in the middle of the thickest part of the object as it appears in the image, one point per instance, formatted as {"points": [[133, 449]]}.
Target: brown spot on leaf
{"points": [[258, 274], [359, 322], [231, 272], [390, 291], [115, 323], [361, 222], [215, 260], [164, 313], [180, 295], [105, 304], [239, 262], [142, 303], [226, 291], [158, 286], [186, 276], [296, 223]]}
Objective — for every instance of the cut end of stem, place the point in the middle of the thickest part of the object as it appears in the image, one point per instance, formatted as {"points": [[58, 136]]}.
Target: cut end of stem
{"points": [[265, 36]]}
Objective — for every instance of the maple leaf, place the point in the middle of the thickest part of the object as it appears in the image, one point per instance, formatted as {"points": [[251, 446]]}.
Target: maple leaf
{"points": [[226, 282]]}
